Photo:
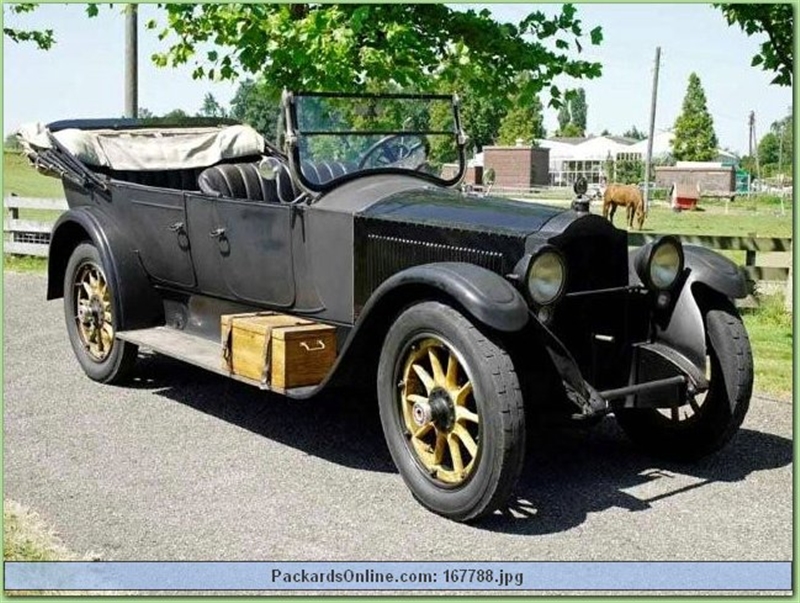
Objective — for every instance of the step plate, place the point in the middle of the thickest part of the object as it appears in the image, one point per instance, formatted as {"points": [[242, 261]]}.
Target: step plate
{"points": [[197, 351]]}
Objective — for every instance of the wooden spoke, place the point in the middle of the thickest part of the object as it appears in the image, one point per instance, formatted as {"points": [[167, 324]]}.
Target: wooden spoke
{"points": [[461, 395], [436, 367], [466, 439], [455, 454], [423, 431], [438, 452], [423, 375], [464, 414], [451, 379]]}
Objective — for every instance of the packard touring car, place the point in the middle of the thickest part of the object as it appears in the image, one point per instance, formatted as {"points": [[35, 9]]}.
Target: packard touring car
{"points": [[345, 255]]}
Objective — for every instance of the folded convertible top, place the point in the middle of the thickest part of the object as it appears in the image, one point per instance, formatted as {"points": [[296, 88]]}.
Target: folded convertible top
{"points": [[147, 149]]}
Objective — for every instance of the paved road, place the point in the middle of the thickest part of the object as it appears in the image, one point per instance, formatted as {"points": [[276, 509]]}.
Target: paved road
{"points": [[183, 464]]}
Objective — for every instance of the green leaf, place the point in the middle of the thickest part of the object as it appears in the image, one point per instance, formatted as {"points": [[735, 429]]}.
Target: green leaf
{"points": [[596, 35], [757, 60], [92, 10]]}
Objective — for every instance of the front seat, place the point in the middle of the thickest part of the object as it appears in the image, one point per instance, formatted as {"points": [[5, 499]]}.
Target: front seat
{"points": [[243, 181]]}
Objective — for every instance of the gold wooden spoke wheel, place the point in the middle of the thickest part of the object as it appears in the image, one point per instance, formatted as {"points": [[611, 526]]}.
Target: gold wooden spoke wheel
{"points": [[93, 311], [439, 411]]}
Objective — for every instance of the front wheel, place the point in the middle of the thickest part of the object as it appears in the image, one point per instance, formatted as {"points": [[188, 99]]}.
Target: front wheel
{"points": [[452, 412], [91, 316], [707, 421]]}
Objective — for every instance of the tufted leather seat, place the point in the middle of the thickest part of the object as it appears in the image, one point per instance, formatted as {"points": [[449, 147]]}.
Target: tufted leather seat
{"points": [[243, 181], [321, 172]]}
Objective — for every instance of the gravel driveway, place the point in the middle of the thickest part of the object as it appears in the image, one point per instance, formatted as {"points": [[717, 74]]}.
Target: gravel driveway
{"points": [[186, 465]]}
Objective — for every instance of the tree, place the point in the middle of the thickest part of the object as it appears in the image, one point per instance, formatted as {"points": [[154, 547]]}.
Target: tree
{"points": [[784, 131], [564, 118], [634, 133], [694, 139], [257, 103], [11, 143], [211, 108], [775, 20], [350, 47], [43, 39], [578, 110], [522, 121], [769, 150], [605, 132], [571, 130]]}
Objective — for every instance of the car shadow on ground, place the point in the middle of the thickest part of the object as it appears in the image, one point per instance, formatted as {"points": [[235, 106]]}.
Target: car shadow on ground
{"points": [[571, 473], [568, 473]]}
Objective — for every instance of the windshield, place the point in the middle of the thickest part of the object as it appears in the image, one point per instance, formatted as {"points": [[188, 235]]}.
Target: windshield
{"points": [[339, 137]]}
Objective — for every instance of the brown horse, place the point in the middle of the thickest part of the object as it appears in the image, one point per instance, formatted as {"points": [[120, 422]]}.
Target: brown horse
{"points": [[628, 196]]}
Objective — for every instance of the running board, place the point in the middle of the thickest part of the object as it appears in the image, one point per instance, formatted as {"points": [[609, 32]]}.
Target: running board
{"points": [[199, 352]]}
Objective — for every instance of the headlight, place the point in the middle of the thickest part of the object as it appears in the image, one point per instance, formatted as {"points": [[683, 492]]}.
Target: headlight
{"points": [[546, 277], [665, 264]]}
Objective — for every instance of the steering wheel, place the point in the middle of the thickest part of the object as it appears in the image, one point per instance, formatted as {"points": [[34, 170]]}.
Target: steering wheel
{"points": [[391, 149]]}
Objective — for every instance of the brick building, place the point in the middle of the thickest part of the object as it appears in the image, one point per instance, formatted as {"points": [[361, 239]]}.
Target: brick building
{"points": [[518, 167]]}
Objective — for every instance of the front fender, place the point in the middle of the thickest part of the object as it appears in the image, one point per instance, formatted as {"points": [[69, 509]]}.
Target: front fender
{"points": [[685, 330], [138, 303], [484, 295], [487, 296]]}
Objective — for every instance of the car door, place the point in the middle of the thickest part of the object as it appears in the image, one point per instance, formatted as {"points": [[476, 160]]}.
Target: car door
{"points": [[155, 220], [242, 249]]}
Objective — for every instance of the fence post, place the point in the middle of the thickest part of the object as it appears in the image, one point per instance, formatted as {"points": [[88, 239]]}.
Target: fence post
{"points": [[790, 280]]}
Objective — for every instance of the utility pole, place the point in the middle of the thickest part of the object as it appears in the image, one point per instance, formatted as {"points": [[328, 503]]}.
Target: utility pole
{"points": [[753, 148], [649, 157], [131, 62]]}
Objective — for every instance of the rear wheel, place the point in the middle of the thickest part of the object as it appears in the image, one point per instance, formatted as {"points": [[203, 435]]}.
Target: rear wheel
{"points": [[452, 412], [91, 317], [707, 421]]}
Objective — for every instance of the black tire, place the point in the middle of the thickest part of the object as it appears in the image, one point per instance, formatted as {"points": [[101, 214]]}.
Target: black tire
{"points": [[102, 356], [491, 453], [690, 433]]}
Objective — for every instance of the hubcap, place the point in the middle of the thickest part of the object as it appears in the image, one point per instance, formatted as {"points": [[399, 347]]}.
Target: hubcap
{"points": [[439, 411], [93, 312]]}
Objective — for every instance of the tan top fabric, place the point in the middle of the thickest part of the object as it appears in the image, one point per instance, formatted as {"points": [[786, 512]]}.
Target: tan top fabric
{"points": [[149, 149]]}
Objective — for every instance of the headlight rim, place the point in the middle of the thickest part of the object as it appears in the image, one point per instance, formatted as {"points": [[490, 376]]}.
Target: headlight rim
{"points": [[662, 241], [537, 255]]}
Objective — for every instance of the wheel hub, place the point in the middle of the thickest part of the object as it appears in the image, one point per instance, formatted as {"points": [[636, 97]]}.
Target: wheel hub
{"points": [[437, 409]]}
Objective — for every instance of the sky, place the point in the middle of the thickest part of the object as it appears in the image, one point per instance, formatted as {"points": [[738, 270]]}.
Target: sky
{"points": [[82, 75]]}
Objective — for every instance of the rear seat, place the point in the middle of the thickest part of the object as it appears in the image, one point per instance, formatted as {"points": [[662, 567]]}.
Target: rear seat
{"points": [[243, 181]]}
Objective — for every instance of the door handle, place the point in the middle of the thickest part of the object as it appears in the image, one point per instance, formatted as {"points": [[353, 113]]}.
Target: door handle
{"points": [[217, 233], [177, 227]]}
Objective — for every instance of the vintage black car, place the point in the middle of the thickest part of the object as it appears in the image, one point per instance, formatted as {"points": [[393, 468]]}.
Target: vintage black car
{"points": [[467, 315]]}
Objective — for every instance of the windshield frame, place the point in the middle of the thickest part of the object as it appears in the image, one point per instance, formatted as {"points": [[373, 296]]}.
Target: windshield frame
{"points": [[292, 135]]}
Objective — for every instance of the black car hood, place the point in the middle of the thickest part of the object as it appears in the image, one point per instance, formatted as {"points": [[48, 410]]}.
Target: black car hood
{"points": [[450, 209]]}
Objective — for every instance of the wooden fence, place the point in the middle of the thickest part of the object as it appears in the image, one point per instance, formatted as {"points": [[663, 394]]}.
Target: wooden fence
{"points": [[29, 237]]}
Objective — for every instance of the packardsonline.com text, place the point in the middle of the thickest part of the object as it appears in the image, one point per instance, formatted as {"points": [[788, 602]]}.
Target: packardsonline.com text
{"points": [[466, 578]]}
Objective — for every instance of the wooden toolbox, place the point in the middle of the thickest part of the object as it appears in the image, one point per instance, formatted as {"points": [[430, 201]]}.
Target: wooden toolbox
{"points": [[277, 350]]}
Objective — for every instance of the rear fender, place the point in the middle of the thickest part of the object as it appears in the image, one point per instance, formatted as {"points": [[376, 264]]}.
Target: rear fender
{"points": [[139, 305]]}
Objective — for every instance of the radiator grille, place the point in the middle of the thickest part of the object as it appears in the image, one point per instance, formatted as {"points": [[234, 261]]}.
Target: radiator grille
{"points": [[386, 255]]}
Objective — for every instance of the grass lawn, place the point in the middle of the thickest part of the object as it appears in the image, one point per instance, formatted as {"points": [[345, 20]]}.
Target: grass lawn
{"points": [[24, 181], [770, 330], [760, 217], [27, 538], [20, 178]]}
